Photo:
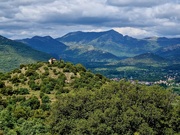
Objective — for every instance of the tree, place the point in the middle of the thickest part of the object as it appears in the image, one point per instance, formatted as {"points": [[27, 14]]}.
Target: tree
{"points": [[116, 108], [33, 102]]}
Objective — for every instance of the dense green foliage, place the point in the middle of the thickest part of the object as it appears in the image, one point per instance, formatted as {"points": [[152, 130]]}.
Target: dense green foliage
{"points": [[63, 98], [117, 108]]}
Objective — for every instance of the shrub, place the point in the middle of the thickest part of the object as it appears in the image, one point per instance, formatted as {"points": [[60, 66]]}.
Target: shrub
{"points": [[41, 94], [33, 102], [2, 84], [80, 67], [15, 79], [45, 99], [16, 71], [29, 72], [8, 90], [66, 70], [23, 91], [22, 66], [45, 107]]}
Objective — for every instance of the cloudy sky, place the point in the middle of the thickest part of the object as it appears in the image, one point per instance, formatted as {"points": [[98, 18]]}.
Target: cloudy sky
{"points": [[137, 18]]}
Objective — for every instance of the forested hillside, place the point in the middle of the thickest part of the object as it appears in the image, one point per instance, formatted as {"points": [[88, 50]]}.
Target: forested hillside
{"points": [[45, 44], [62, 98], [13, 53]]}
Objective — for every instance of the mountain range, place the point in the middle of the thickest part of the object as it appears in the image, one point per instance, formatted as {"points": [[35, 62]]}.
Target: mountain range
{"points": [[117, 44], [103, 46], [97, 50]]}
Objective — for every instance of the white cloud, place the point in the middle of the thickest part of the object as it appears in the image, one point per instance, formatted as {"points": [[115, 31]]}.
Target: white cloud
{"points": [[139, 3], [51, 16], [135, 32]]}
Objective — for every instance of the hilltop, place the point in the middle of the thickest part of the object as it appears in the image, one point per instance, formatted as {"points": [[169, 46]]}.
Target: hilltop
{"points": [[47, 78], [62, 98]]}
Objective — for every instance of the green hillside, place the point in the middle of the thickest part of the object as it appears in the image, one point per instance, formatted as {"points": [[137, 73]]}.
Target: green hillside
{"points": [[146, 59], [62, 98], [45, 44], [170, 52], [13, 53], [144, 67]]}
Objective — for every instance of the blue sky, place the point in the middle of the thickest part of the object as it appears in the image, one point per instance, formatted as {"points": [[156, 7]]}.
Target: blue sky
{"points": [[137, 18]]}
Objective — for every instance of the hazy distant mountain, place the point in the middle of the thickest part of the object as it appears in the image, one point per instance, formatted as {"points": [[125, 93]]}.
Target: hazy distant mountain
{"points": [[109, 41], [170, 52], [107, 46], [78, 56], [115, 43], [45, 44], [13, 53], [75, 54], [146, 59]]}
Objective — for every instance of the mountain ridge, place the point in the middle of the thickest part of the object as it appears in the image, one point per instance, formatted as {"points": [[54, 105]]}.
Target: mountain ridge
{"points": [[113, 42], [13, 53], [146, 59], [77, 54], [45, 44]]}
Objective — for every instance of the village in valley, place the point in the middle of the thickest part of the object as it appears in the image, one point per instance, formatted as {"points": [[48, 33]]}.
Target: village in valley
{"points": [[169, 81]]}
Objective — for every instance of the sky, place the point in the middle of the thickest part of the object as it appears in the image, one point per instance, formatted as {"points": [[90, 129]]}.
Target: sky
{"points": [[137, 18]]}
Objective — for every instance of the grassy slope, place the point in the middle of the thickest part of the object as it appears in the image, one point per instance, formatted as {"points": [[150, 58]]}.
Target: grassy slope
{"points": [[42, 73]]}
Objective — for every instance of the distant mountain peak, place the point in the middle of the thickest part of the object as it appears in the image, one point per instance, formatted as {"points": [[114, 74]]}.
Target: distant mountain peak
{"points": [[42, 37], [14, 53], [149, 55], [3, 38], [112, 31]]}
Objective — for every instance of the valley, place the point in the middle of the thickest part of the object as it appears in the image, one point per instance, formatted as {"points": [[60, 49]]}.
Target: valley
{"points": [[111, 54]]}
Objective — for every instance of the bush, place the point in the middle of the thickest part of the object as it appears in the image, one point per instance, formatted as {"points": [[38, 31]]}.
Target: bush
{"points": [[45, 99], [80, 67], [41, 94], [45, 107], [33, 102], [15, 79], [29, 73], [33, 85], [66, 70], [61, 64], [2, 84], [23, 91], [16, 71], [8, 90], [44, 89], [22, 66]]}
